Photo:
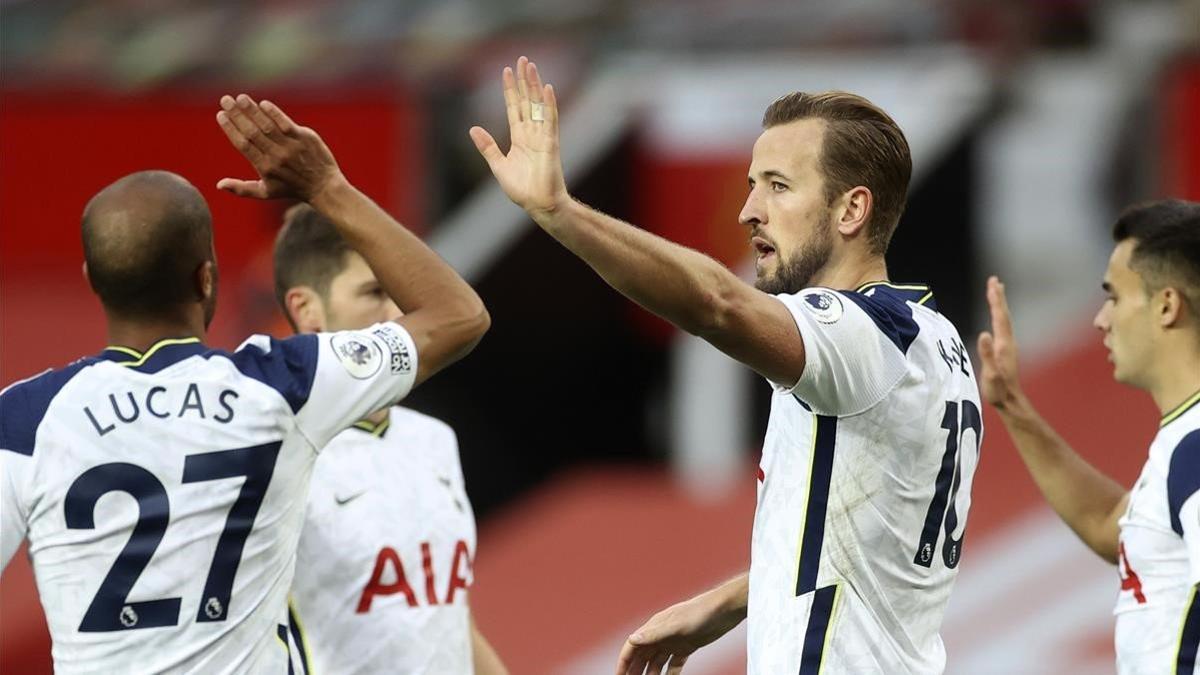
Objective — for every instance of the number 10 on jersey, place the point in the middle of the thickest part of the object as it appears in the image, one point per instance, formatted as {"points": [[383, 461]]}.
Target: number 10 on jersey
{"points": [[942, 510]]}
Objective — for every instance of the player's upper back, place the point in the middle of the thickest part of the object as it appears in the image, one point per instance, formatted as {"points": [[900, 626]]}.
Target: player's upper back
{"points": [[162, 493]]}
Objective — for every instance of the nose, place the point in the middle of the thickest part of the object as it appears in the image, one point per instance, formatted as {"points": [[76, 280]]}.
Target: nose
{"points": [[753, 213], [1100, 321]]}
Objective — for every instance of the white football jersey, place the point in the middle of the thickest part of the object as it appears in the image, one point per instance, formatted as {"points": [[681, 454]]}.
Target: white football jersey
{"points": [[386, 553], [865, 487], [162, 494], [1158, 618]]}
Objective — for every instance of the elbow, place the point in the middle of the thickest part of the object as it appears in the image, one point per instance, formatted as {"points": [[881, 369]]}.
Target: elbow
{"points": [[714, 314]]}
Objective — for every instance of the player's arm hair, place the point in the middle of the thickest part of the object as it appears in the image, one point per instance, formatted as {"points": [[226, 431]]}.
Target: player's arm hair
{"points": [[483, 655], [1089, 501], [442, 313], [687, 288]]}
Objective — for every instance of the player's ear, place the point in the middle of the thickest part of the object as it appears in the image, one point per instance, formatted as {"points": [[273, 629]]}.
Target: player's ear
{"points": [[853, 211], [206, 279], [85, 275], [1170, 307], [305, 309]]}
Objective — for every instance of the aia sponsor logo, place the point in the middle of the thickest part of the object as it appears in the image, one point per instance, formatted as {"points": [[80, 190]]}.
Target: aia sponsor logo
{"points": [[388, 565]]}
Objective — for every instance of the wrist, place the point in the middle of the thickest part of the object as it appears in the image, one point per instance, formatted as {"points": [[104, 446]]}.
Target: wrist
{"points": [[332, 195], [557, 215]]}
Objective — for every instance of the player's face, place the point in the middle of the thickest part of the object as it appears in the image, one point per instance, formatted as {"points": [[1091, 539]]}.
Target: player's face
{"points": [[1126, 319], [791, 223], [356, 300]]}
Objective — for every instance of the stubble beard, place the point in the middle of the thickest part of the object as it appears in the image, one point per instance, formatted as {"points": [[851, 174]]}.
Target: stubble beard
{"points": [[796, 273]]}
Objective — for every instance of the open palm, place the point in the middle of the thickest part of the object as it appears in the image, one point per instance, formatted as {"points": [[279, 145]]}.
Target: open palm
{"points": [[531, 173], [998, 380]]}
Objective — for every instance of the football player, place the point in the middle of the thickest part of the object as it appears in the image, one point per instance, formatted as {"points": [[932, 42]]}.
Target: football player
{"points": [[1151, 325], [875, 422], [161, 483], [385, 559]]}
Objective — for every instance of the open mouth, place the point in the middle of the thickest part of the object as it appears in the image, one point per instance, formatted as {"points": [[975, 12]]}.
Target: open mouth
{"points": [[762, 249]]}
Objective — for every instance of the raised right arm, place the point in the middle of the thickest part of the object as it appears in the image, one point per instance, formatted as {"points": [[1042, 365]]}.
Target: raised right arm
{"points": [[443, 314], [1089, 502]]}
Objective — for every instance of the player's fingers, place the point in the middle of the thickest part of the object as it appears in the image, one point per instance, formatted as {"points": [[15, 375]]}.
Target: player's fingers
{"points": [[550, 101], [512, 105], [238, 117], [486, 145], [255, 189], [658, 662], [523, 79], [986, 347], [998, 304], [285, 124], [533, 85], [255, 114], [239, 140], [629, 654], [676, 665]]}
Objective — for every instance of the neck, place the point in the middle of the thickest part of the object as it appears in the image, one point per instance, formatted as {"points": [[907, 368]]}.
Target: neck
{"points": [[1178, 378], [141, 334], [851, 272]]}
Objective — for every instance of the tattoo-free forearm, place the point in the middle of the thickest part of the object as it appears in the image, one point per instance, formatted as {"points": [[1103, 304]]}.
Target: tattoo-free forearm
{"points": [[445, 315], [677, 283], [1085, 498]]}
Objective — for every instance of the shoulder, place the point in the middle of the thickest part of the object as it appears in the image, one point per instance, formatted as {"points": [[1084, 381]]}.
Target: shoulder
{"points": [[23, 404], [891, 308], [1183, 474], [430, 428], [882, 307], [288, 366]]}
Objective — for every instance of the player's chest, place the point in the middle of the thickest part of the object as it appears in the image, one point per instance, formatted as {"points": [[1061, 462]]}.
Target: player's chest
{"points": [[370, 499]]}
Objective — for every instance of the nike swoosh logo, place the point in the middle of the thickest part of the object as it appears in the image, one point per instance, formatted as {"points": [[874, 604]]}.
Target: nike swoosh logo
{"points": [[343, 500]]}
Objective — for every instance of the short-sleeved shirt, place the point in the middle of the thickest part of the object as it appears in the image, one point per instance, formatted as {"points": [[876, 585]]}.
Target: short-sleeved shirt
{"points": [[386, 553], [865, 487], [1158, 558], [162, 493]]}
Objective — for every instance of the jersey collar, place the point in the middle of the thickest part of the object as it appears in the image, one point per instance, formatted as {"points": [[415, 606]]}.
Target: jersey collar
{"points": [[1180, 409], [376, 430], [160, 355], [918, 293]]}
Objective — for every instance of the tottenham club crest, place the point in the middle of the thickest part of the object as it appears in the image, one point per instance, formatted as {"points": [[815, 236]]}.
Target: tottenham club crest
{"points": [[824, 305], [358, 354]]}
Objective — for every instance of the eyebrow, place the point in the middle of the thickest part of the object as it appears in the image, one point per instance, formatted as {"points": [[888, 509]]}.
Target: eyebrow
{"points": [[772, 173]]}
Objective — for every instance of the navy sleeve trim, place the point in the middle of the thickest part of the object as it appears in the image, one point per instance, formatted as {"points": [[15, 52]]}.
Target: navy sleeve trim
{"points": [[891, 314], [1183, 476], [289, 367], [24, 405]]}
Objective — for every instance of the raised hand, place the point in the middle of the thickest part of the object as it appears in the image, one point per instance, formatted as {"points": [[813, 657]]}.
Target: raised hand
{"points": [[291, 160], [531, 174], [998, 381]]}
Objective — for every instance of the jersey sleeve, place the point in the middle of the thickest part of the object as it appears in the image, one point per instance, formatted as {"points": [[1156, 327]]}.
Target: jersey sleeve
{"points": [[332, 380], [13, 523], [851, 357], [1183, 498]]}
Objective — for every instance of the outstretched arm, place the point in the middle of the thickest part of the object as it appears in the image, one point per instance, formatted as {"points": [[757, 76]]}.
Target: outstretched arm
{"points": [[672, 635], [444, 316], [687, 288], [1089, 501]]}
